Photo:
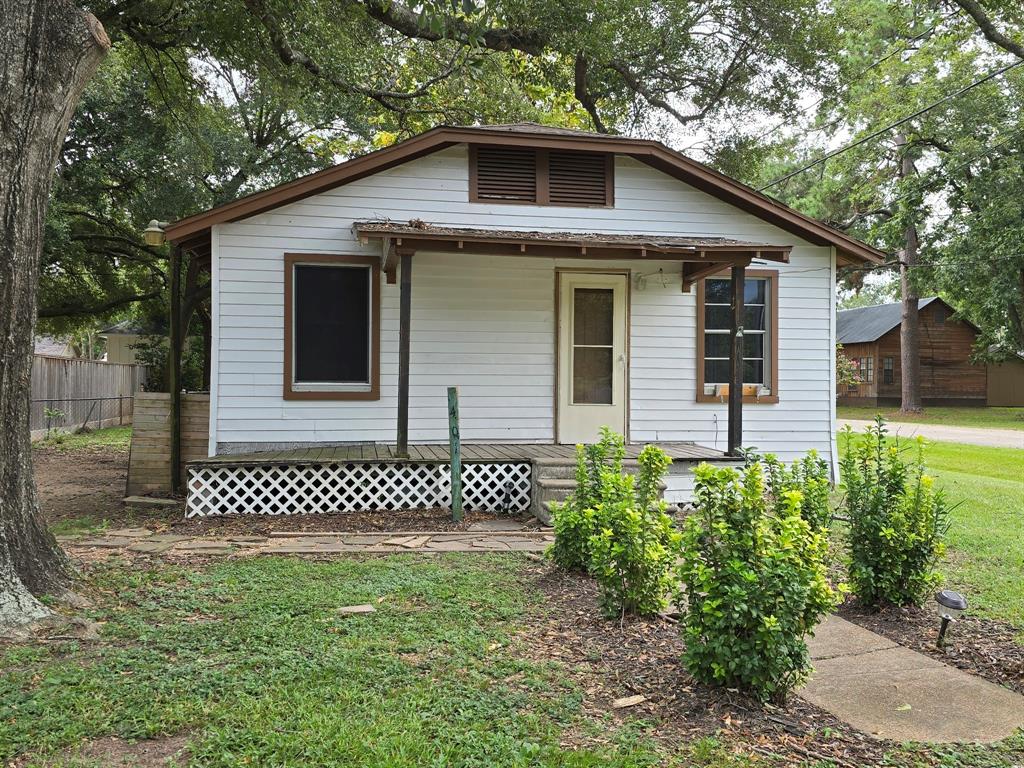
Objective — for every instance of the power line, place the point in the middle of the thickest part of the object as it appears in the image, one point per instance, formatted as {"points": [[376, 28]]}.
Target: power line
{"points": [[880, 131], [871, 66]]}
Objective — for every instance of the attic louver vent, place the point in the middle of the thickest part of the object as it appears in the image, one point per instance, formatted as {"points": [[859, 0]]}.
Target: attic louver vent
{"points": [[577, 178], [541, 176], [506, 174]]}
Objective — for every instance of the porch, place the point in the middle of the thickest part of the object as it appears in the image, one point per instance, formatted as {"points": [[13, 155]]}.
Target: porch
{"points": [[509, 478]]}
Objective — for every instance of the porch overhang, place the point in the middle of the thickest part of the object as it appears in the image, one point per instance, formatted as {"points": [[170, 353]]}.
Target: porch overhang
{"points": [[420, 236]]}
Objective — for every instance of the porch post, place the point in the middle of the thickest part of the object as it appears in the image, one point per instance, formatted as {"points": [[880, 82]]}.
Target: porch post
{"points": [[404, 327], [736, 362], [174, 368]]}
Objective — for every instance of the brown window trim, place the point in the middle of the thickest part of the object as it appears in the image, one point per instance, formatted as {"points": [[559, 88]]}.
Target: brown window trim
{"points": [[290, 260], [542, 182], [773, 320]]}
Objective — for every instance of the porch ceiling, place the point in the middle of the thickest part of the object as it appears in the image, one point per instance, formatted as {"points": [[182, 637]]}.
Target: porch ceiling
{"points": [[416, 235]]}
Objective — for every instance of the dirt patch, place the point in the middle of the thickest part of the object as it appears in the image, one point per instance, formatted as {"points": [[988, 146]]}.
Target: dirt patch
{"points": [[988, 648], [112, 752], [611, 660], [80, 484]]}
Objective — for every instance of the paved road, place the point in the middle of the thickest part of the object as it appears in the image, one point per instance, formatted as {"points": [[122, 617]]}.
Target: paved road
{"points": [[999, 438]]}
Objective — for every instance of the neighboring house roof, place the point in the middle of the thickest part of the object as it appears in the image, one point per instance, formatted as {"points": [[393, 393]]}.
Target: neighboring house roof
{"points": [[193, 232], [856, 326], [53, 347]]}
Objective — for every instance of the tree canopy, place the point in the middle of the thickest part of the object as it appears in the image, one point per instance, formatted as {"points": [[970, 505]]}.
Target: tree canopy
{"points": [[963, 144]]}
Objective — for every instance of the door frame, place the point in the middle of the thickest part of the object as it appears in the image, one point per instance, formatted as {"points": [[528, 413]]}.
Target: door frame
{"points": [[559, 271]]}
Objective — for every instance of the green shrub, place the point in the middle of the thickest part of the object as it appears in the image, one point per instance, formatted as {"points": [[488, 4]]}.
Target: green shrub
{"points": [[753, 572], [635, 547], [897, 519], [808, 475], [574, 521]]}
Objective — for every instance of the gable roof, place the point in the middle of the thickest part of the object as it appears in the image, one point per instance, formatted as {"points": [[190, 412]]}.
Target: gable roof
{"points": [[195, 229], [856, 326]]}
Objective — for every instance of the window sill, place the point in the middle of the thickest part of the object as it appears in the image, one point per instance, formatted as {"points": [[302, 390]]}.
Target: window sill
{"points": [[326, 394], [747, 400]]}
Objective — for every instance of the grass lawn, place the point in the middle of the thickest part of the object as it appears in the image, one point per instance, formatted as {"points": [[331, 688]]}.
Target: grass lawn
{"points": [[986, 536], [250, 663], [994, 418], [252, 660], [118, 438]]}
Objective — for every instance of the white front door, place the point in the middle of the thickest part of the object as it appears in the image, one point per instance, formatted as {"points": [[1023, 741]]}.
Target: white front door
{"points": [[591, 355]]}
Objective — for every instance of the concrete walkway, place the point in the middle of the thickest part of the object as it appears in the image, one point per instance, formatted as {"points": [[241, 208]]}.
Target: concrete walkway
{"points": [[489, 536], [997, 438], [892, 692]]}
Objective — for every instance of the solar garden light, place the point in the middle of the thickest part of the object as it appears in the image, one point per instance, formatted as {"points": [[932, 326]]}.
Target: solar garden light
{"points": [[950, 605]]}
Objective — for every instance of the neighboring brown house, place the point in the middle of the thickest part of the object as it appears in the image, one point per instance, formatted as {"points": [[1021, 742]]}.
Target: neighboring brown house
{"points": [[871, 339]]}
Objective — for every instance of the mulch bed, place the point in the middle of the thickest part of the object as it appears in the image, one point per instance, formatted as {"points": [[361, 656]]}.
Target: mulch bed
{"points": [[612, 659], [986, 647]]}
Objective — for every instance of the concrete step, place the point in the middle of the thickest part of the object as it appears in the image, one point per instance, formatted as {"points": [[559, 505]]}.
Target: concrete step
{"points": [[544, 512], [565, 469], [558, 489]]}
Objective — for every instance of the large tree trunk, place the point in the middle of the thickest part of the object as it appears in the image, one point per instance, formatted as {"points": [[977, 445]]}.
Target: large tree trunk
{"points": [[910, 334], [48, 51]]}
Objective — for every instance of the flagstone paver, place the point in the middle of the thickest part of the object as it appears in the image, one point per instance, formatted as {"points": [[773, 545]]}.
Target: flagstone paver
{"points": [[892, 692], [497, 524], [150, 547], [130, 533], [498, 540]]}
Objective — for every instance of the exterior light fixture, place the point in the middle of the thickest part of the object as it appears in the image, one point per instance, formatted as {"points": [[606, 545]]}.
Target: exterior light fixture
{"points": [[154, 234], [950, 606]]}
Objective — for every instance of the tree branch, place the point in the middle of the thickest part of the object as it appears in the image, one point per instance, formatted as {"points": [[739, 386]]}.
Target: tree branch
{"points": [[290, 56], [988, 29], [411, 24], [583, 94], [80, 310]]}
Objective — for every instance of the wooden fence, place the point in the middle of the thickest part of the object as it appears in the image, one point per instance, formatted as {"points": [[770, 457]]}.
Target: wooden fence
{"points": [[68, 393], [149, 466]]}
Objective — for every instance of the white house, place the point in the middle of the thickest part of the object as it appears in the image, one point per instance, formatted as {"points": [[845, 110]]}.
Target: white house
{"points": [[562, 280]]}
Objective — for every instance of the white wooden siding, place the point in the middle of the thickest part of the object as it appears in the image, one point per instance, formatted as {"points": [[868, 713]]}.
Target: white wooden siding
{"points": [[487, 323]]}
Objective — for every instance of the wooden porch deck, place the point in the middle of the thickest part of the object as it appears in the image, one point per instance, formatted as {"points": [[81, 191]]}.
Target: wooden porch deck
{"points": [[428, 452]]}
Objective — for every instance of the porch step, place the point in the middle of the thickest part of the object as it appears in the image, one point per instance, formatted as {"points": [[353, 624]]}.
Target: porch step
{"points": [[565, 469], [545, 513], [549, 489]]}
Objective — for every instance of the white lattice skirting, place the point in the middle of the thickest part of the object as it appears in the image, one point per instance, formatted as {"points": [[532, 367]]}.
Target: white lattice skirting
{"points": [[355, 487]]}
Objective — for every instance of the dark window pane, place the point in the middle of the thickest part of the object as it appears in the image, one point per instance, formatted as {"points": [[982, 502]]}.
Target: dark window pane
{"points": [[331, 327], [717, 291], [592, 375], [716, 371], [753, 345], [754, 290], [753, 317], [753, 372], [593, 311], [718, 318], [717, 344]]}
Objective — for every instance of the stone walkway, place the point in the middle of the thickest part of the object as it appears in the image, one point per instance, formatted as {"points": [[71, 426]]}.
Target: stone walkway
{"points": [[892, 692], [488, 536], [997, 438]]}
